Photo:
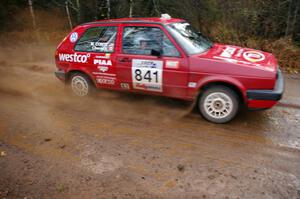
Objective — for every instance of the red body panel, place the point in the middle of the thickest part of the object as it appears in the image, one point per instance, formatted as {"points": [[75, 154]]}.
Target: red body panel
{"points": [[182, 77], [260, 104]]}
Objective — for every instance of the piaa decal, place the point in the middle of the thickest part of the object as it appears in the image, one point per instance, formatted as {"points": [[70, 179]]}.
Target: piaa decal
{"points": [[102, 62]]}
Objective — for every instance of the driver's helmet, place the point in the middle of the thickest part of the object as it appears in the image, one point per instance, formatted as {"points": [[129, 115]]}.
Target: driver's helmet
{"points": [[137, 41]]}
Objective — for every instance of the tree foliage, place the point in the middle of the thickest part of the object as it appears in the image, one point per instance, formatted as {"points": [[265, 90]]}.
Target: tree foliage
{"points": [[238, 18]]}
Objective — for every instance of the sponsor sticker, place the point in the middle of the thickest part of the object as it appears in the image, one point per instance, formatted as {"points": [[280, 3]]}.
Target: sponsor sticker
{"points": [[103, 69], [147, 75], [97, 46], [102, 62], [106, 56], [172, 64], [253, 56], [105, 74], [111, 47], [226, 59], [102, 46], [228, 52], [239, 53], [73, 37], [143, 86], [78, 58], [106, 80], [192, 84], [125, 86]]}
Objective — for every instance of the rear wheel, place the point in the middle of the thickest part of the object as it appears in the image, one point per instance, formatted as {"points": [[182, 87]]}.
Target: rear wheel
{"points": [[219, 104], [81, 84]]}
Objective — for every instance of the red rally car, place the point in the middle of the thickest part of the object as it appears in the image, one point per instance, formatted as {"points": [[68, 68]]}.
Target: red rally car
{"points": [[167, 56]]}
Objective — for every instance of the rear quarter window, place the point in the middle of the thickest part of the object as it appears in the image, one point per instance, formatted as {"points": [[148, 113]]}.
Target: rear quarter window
{"points": [[97, 39]]}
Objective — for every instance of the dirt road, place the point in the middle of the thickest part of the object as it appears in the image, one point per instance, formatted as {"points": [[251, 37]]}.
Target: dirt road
{"points": [[119, 145]]}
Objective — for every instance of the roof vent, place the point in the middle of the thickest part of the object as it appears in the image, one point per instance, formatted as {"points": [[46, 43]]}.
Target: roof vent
{"points": [[165, 16]]}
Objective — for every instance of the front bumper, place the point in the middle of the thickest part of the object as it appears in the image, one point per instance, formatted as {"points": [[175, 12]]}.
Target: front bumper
{"points": [[270, 95], [61, 75]]}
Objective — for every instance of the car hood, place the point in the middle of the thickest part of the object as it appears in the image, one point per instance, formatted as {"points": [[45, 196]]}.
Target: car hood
{"points": [[241, 56]]}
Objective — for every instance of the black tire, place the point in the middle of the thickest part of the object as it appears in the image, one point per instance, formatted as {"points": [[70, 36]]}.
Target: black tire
{"points": [[219, 104], [81, 85]]}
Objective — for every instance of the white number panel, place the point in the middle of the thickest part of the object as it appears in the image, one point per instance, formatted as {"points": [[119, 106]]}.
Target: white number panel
{"points": [[147, 75]]}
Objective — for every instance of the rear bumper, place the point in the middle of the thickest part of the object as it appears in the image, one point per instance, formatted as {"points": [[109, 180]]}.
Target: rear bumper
{"points": [[266, 98], [61, 75], [273, 95]]}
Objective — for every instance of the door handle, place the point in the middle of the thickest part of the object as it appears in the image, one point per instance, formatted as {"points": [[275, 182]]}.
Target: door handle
{"points": [[124, 59]]}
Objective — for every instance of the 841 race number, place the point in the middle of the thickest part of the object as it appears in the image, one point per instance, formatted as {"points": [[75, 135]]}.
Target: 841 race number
{"points": [[147, 75], [139, 76]]}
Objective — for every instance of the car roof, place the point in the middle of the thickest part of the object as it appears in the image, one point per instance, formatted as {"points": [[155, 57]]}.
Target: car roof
{"points": [[138, 20]]}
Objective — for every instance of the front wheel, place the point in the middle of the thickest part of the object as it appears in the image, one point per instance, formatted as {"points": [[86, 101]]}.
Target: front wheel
{"points": [[218, 104]]}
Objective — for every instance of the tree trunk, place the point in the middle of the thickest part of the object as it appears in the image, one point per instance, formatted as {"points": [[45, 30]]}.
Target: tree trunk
{"points": [[156, 7], [130, 7], [33, 20], [295, 17], [68, 13], [32, 14], [108, 9], [288, 21], [78, 11]]}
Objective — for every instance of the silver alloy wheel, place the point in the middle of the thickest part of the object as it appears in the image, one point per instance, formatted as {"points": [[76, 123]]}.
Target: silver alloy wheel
{"points": [[80, 86], [218, 105]]}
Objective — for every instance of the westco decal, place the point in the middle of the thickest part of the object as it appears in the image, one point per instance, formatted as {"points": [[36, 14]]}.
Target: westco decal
{"points": [[74, 57]]}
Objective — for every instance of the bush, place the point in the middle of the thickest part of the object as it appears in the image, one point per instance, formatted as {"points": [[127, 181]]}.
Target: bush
{"points": [[286, 52]]}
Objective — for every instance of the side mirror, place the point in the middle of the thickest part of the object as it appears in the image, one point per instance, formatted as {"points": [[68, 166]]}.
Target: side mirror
{"points": [[156, 53]]}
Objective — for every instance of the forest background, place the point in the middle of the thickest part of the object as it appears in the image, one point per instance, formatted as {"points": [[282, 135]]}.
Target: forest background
{"points": [[269, 25]]}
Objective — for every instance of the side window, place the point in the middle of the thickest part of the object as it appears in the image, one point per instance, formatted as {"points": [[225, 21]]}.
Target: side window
{"points": [[98, 39], [141, 40]]}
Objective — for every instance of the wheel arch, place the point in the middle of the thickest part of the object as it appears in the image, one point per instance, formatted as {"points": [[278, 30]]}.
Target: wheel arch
{"points": [[231, 83]]}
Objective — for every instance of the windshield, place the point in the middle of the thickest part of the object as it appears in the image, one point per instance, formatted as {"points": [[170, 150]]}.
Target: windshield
{"points": [[192, 41]]}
